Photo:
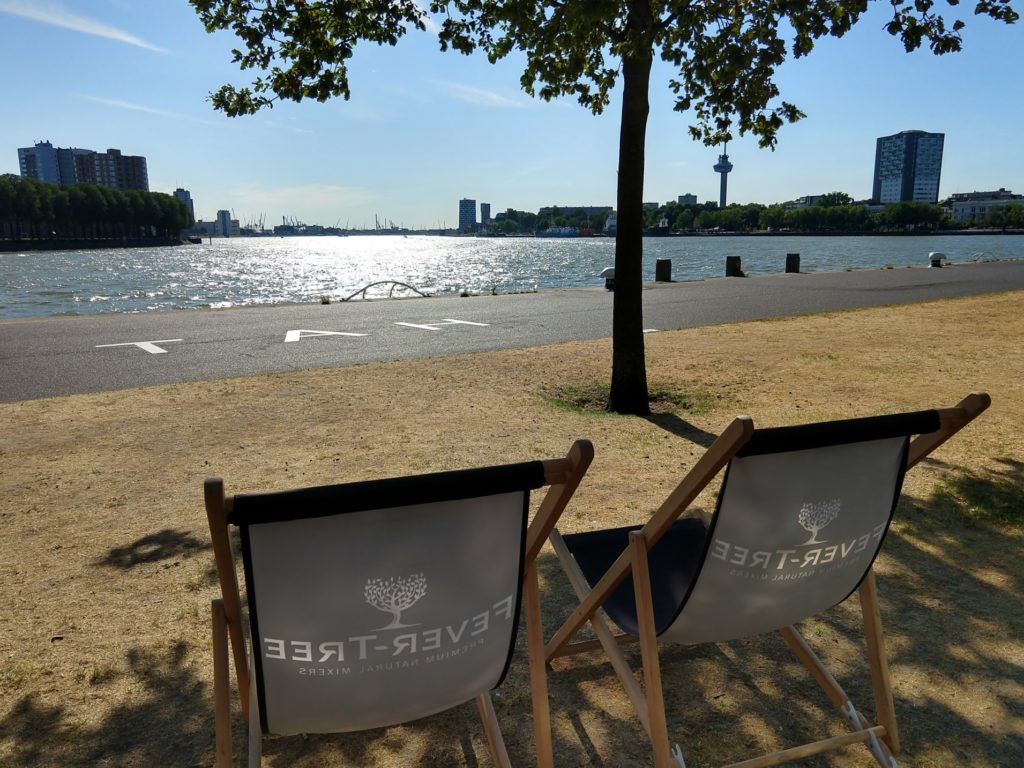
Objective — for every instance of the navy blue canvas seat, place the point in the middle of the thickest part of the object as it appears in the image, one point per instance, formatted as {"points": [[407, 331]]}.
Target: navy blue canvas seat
{"points": [[801, 514], [672, 564]]}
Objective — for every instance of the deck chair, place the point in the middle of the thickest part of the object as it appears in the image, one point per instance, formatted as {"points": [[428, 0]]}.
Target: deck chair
{"points": [[380, 602], [801, 514]]}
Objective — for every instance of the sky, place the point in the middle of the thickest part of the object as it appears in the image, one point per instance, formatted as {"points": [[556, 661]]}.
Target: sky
{"points": [[424, 129]]}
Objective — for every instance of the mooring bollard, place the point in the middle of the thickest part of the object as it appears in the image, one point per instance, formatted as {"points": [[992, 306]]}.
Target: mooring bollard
{"points": [[732, 267], [608, 273], [663, 271], [792, 262], [935, 259]]}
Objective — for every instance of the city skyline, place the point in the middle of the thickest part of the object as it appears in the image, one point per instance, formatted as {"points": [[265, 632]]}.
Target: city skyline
{"points": [[425, 129]]}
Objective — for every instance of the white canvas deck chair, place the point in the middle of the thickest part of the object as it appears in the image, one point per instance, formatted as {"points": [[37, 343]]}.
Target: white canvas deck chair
{"points": [[381, 602], [801, 515]]}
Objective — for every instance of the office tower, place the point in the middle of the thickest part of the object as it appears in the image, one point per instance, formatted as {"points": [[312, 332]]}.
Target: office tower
{"points": [[467, 214], [485, 214], [186, 197], [907, 167], [224, 223]]}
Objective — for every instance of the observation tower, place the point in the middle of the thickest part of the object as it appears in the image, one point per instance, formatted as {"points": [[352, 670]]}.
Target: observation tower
{"points": [[723, 166]]}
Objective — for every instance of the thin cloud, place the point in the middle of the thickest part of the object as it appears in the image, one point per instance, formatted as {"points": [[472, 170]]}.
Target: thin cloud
{"points": [[480, 96], [119, 104], [56, 15]]}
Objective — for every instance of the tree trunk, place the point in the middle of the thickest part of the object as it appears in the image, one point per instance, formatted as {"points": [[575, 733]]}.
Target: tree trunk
{"points": [[629, 371]]}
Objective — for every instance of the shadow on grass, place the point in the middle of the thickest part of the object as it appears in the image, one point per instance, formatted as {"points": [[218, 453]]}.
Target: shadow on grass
{"points": [[679, 427], [163, 724], [162, 545], [952, 591]]}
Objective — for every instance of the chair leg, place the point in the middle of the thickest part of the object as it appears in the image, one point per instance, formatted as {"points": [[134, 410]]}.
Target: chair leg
{"points": [[649, 653], [221, 687], [885, 709], [538, 673], [604, 634], [255, 728], [492, 730]]}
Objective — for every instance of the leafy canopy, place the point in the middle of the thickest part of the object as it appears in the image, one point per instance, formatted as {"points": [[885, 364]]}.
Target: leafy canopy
{"points": [[725, 52]]}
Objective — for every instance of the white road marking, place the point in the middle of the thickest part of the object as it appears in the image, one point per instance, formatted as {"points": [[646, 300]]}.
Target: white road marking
{"points": [[437, 326], [149, 346], [301, 334]]}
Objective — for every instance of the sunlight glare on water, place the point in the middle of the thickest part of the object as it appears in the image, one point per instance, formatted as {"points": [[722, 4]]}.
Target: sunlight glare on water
{"points": [[246, 271]]}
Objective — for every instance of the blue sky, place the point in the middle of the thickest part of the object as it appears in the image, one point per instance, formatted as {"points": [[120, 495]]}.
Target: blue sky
{"points": [[425, 128]]}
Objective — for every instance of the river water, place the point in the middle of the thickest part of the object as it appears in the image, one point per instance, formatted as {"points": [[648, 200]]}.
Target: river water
{"points": [[246, 271]]}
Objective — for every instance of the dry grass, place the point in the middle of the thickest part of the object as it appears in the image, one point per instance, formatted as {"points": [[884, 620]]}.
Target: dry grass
{"points": [[106, 573]]}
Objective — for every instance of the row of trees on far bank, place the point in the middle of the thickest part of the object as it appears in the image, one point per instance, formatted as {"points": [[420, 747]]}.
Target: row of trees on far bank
{"points": [[35, 209], [833, 213], [512, 221]]}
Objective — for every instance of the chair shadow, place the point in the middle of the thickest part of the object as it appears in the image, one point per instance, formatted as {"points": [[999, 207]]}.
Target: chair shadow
{"points": [[162, 545]]}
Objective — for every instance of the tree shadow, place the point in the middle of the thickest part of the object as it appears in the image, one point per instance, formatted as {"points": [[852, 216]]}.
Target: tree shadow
{"points": [[160, 725], [162, 545], [672, 423]]}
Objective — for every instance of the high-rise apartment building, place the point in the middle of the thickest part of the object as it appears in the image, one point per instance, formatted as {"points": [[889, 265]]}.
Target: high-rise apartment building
{"points": [[40, 163], [485, 214], [908, 166], [467, 214], [57, 165]]}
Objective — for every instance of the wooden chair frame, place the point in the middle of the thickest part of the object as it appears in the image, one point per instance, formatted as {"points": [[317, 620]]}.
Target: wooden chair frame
{"points": [[562, 476], [881, 738]]}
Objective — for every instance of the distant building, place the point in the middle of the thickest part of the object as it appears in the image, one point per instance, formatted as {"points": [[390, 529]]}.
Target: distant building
{"points": [[40, 163], [112, 169], [802, 202], [485, 214], [224, 226], [467, 214], [186, 197], [976, 206], [908, 166], [57, 165], [687, 199]]}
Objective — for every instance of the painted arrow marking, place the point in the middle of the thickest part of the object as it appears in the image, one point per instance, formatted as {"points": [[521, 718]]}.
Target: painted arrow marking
{"points": [[148, 346], [301, 334], [437, 326]]}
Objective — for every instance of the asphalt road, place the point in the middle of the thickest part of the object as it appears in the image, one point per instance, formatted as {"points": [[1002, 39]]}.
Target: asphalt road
{"points": [[54, 356]]}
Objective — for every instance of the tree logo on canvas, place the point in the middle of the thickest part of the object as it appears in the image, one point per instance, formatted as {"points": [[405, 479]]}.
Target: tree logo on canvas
{"points": [[395, 595], [816, 515]]}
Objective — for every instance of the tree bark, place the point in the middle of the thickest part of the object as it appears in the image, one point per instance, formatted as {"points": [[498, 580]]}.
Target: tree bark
{"points": [[629, 369]]}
